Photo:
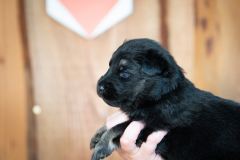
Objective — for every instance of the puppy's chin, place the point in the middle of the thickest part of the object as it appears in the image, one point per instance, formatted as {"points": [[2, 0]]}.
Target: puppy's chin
{"points": [[118, 100], [110, 98], [123, 105], [111, 103]]}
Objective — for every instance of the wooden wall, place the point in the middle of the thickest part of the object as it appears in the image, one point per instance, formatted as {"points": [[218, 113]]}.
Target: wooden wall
{"points": [[65, 70], [179, 20], [13, 111], [217, 47], [43, 63]]}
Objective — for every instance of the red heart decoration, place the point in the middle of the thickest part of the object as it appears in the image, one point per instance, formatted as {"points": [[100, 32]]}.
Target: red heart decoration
{"points": [[89, 13]]}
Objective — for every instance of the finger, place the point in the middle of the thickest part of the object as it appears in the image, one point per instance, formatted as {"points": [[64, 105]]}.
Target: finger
{"points": [[153, 139], [122, 153], [129, 137], [119, 117], [114, 114]]}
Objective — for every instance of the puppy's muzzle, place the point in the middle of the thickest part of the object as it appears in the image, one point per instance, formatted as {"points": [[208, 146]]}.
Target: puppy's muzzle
{"points": [[100, 90], [106, 90]]}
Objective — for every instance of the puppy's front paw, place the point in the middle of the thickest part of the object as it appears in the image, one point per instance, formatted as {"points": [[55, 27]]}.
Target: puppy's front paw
{"points": [[103, 149], [101, 153], [109, 141], [96, 138], [94, 141]]}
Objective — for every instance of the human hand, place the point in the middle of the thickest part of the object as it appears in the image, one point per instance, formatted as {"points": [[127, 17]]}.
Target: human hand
{"points": [[129, 150]]}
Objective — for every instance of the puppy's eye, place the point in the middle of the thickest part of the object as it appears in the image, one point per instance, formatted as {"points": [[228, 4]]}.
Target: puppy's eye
{"points": [[124, 74], [121, 68]]}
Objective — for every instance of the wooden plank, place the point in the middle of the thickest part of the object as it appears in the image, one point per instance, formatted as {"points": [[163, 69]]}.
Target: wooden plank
{"points": [[217, 51], [13, 117], [181, 34], [178, 35], [31, 133], [207, 46], [65, 71], [229, 60]]}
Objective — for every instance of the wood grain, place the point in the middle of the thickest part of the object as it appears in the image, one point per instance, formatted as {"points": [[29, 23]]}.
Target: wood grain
{"points": [[180, 23], [164, 24], [217, 51], [31, 122], [229, 60], [65, 70], [13, 117], [207, 46]]}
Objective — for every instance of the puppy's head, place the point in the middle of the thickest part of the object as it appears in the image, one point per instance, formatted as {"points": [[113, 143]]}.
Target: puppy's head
{"points": [[139, 70]]}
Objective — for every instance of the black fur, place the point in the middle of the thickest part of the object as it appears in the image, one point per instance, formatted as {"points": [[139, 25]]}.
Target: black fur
{"points": [[149, 86]]}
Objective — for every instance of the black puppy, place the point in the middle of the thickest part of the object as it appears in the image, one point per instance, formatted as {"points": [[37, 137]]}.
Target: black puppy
{"points": [[145, 82]]}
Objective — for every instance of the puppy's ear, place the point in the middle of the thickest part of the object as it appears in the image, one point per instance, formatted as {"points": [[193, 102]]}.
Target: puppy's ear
{"points": [[125, 41], [153, 63]]}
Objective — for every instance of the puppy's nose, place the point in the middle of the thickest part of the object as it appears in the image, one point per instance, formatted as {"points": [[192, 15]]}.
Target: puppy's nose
{"points": [[101, 89]]}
